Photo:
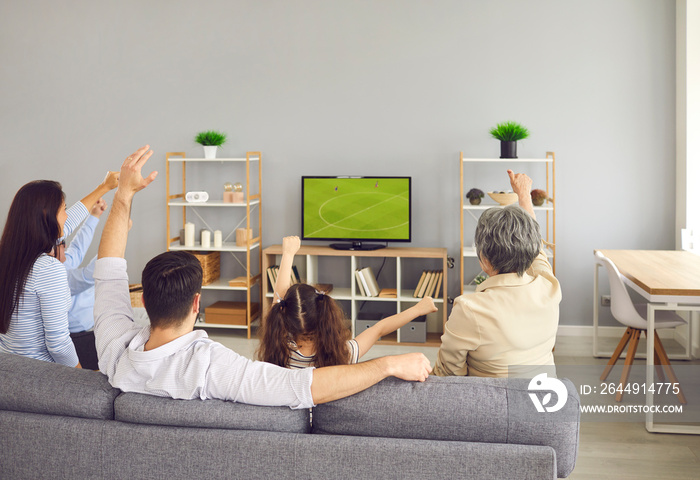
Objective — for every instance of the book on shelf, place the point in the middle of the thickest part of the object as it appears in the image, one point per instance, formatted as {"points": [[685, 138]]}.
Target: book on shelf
{"points": [[426, 282], [324, 287], [430, 283], [272, 277], [439, 284], [370, 281], [420, 283], [430, 292], [362, 284], [295, 275], [387, 293], [239, 282]]}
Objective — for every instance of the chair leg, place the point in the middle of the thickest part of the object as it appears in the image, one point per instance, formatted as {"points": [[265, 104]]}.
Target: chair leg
{"points": [[634, 341], [658, 346], [616, 354], [657, 361]]}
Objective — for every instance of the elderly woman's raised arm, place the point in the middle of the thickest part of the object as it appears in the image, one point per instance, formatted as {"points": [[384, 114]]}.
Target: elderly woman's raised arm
{"points": [[522, 184]]}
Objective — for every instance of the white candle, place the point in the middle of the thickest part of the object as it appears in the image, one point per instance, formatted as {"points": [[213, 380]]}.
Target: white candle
{"points": [[189, 234], [206, 239], [217, 239]]}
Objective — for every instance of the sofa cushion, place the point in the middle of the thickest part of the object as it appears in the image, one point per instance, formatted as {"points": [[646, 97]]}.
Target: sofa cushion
{"points": [[151, 410], [468, 409], [35, 386]]}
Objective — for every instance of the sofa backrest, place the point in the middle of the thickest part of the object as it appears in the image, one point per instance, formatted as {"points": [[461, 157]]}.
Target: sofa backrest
{"points": [[35, 386], [470, 409], [150, 410]]}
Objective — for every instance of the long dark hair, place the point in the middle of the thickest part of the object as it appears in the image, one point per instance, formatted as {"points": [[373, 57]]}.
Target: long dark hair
{"points": [[30, 230], [305, 313]]}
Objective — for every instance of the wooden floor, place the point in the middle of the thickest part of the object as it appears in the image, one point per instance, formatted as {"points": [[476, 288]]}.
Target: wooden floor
{"points": [[606, 450]]}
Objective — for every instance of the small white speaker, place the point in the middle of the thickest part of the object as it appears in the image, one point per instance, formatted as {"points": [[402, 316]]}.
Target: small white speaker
{"points": [[196, 197]]}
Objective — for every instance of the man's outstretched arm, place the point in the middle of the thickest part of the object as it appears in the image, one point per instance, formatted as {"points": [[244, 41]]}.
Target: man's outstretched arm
{"points": [[116, 231], [332, 383]]}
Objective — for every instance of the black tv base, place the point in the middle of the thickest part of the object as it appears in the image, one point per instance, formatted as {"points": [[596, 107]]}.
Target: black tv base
{"points": [[356, 246]]}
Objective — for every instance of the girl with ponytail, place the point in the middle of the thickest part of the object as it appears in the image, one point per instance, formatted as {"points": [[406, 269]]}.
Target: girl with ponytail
{"points": [[307, 328]]}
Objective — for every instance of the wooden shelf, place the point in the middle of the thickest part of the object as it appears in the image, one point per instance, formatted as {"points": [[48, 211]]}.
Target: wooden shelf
{"points": [[548, 227], [213, 160], [230, 217], [351, 293], [225, 247], [213, 203]]}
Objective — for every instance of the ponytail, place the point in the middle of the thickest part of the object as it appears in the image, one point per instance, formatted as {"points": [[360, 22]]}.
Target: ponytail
{"points": [[274, 337], [332, 334]]}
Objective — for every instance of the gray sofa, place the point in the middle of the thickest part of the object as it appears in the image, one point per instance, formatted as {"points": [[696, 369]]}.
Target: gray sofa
{"points": [[60, 422]]}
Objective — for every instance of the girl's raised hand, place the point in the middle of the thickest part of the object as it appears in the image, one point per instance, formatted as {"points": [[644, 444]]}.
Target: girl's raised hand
{"points": [[426, 306], [290, 245]]}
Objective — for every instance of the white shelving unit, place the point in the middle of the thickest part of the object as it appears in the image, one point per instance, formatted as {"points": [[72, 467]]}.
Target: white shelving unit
{"points": [[233, 214], [404, 295], [468, 253]]}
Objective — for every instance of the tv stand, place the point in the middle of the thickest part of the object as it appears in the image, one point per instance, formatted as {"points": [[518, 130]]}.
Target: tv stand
{"points": [[322, 264], [356, 246]]}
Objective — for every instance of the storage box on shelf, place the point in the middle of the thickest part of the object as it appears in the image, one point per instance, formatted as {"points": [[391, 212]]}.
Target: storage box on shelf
{"points": [[350, 291], [229, 216], [468, 253]]}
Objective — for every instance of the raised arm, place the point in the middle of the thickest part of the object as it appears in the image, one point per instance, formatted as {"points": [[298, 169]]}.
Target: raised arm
{"points": [[522, 184], [369, 337], [75, 252], [332, 383], [109, 183], [290, 246], [116, 231]]}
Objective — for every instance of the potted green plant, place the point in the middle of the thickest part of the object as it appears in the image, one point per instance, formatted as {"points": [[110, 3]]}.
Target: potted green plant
{"points": [[478, 280], [210, 140], [475, 195], [509, 133], [538, 197]]}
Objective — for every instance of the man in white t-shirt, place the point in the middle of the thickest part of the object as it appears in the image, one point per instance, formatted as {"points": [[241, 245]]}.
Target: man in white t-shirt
{"points": [[170, 359]]}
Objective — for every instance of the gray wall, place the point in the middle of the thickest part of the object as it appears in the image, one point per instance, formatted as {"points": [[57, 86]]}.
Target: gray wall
{"points": [[355, 87]]}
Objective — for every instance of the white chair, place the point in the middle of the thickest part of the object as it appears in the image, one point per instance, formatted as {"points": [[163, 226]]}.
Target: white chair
{"points": [[635, 318]]}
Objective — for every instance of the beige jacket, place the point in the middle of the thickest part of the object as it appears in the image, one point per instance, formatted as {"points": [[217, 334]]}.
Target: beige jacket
{"points": [[509, 321]]}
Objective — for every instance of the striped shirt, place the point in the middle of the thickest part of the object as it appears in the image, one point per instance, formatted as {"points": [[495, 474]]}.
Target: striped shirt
{"points": [[191, 366], [39, 326], [299, 360], [80, 281]]}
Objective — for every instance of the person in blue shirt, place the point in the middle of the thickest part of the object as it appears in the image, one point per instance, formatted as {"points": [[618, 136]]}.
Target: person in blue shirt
{"points": [[82, 287]]}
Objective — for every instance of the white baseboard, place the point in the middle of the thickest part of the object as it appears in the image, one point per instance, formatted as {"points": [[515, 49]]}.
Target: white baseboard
{"points": [[587, 331]]}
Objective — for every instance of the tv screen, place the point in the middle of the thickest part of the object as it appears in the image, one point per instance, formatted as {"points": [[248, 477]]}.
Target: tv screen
{"points": [[356, 209]]}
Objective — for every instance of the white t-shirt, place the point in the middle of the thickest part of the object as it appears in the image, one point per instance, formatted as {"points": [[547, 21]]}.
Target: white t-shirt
{"points": [[191, 366]]}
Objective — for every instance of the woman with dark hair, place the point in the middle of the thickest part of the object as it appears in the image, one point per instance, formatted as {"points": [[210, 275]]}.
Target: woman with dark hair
{"points": [[510, 323], [307, 328], [34, 293]]}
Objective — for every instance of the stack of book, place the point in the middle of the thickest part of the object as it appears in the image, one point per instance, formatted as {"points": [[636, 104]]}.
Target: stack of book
{"points": [[367, 282], [429, 284], [273, 271]]}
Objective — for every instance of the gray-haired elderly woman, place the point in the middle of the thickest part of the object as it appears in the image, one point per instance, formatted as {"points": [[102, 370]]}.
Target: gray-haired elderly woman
{"points": [[512, 318]]}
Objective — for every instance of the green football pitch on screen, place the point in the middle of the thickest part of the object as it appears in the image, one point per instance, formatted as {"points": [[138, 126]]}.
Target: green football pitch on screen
{"points": [[357, 208]]}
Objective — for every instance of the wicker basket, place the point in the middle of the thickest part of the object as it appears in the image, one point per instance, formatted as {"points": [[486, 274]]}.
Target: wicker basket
{"points": [[211, 266], [135, 292]]}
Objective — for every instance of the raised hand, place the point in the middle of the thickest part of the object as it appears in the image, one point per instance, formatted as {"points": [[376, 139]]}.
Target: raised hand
{"points": [[99, 208], [290, 245], [520, 182], [130, 178], [111, 180]]}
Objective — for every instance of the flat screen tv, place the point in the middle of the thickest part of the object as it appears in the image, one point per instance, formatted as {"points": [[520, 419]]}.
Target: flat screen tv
{"points": [[355, 210]]}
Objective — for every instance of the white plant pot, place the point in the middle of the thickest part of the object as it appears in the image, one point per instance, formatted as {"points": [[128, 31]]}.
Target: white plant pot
{"points": [[209, 152]]}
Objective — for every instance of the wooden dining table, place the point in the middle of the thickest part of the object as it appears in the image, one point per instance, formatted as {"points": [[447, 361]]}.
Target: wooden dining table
{"points": [[668, 280]]}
